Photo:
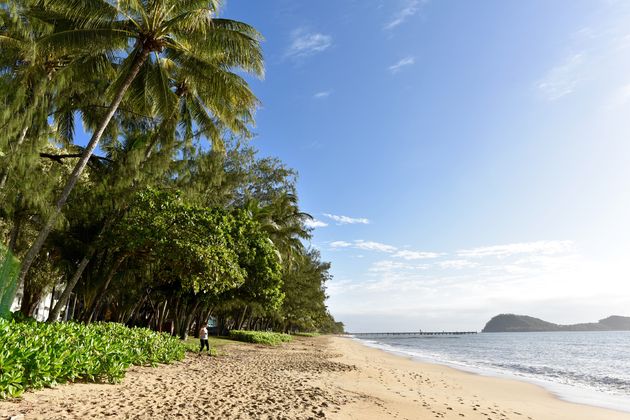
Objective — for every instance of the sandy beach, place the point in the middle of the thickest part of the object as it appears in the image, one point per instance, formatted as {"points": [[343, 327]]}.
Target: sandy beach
{"points": [[310, 378]]}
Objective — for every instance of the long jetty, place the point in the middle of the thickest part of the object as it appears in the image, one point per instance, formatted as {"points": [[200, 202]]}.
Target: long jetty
{"points": [[414, 333]]}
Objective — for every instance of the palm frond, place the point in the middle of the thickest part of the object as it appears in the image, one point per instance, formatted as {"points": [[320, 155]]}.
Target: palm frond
{"points": [[78, 40], [159, 87], [65, 126], [83, 13]]}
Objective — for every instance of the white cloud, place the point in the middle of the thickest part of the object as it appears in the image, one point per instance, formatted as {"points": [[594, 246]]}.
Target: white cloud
{"points": [[457, 264], [404, 254], [304, 44], [562, 79], [314, 223], [411, 8], [388, 266], [501, 251], [415, 255], [373, 246], [459, 293], [364, 245], [466, 293], [345, 220], [340, 244], [407, 61], [322, 94]]}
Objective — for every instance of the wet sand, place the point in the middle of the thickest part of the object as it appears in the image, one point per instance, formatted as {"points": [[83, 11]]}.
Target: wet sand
{"points": [[394, 387], [310, 378]]}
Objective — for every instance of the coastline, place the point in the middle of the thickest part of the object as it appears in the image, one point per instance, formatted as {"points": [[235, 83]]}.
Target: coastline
{"points": [[404, 387], [568, 393], [309, 378]]}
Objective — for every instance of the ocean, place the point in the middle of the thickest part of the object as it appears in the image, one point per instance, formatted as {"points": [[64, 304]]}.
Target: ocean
{"points": [[584, 367]]}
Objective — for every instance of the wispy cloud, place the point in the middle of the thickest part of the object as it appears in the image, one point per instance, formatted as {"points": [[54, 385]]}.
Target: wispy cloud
{"points": [[501, 251], [373, 246], [404, 254], [415, 255], [386, 266], [340, 244], [562, 79], [457, 264], [314, 223], [304, 43], [323, 94], [463, 285], [410, 8], [346, 220], [364, 245], [407, 61], [536, 278]]}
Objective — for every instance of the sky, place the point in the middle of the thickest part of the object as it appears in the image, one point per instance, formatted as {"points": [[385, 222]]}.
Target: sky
{"points": [[460, 159]]}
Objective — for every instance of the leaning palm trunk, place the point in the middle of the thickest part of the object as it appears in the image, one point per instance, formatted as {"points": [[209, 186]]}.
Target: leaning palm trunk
{"points": [[63, 300], [28, 260], [65, 295], [98, 299], [67, 291]]}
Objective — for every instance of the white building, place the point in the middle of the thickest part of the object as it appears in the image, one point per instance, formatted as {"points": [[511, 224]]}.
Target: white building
{"points": [[43, 307]]}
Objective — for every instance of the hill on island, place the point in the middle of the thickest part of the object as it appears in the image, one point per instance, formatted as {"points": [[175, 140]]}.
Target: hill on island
{"points": [[524, 323]]}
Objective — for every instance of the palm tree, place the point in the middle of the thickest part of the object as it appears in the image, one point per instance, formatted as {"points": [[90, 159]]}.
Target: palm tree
{"points": [[284, 224], [180, 34], [191, 105]]}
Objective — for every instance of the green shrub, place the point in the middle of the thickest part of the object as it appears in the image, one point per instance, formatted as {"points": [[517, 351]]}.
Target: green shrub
{"points": [[35, 355], [259, 337], [306, 334]]}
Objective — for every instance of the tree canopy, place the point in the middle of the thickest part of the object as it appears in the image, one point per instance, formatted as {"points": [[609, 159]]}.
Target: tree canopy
{"points": [[176, 218]]}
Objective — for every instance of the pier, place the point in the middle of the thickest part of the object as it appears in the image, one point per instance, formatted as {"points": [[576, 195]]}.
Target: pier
{"points": [[415, 333]]}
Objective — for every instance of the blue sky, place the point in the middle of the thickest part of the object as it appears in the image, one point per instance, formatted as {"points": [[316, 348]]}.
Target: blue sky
{"points": [[461, 159]]}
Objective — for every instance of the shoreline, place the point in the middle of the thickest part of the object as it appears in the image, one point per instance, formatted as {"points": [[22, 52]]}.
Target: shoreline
{"points": [[326, 377], [563, 392], [455, 391]]}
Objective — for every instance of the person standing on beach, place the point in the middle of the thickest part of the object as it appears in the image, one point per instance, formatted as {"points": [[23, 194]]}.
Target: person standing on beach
{"points": [[203, 338]]}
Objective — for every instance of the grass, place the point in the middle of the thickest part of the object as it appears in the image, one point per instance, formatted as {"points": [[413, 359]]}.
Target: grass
{"points": [[216, 345]]}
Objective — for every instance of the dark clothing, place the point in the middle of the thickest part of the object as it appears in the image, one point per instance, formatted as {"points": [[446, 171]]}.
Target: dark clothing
{"points": [[204, 342]]}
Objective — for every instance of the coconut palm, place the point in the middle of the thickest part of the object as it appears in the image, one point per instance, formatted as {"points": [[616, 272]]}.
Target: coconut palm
{"points": [[150, 40], [284, 224]]}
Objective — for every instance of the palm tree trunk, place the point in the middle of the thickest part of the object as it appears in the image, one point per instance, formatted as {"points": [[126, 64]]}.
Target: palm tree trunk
{"points": [[15, 233], [183, 332], [242, 320], [162, 316], [28, 260], [65, 295], [132, 313], [98, 298]]}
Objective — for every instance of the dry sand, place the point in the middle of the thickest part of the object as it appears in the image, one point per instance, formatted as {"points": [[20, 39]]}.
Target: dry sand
{"points": [[325, 377], [394, 387]]}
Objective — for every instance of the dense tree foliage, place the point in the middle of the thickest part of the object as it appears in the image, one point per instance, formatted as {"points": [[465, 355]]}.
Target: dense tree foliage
{"points": [[175, 218]]}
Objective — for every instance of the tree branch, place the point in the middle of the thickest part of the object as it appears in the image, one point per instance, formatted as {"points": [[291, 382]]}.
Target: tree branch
{"points": [[59, 158]]}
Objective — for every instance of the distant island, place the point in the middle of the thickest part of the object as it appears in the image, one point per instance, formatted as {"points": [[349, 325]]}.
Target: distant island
{"points": [[523, 323]]}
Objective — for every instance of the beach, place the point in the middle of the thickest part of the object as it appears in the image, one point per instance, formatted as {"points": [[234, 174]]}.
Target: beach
{"points": [[309, 378]]}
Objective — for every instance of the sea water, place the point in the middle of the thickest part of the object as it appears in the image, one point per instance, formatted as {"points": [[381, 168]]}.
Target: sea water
{"points": [[585, 367]]}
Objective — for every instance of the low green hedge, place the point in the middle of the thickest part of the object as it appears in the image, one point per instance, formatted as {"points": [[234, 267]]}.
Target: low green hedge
{"points": [[306, 334], [259, 337], [35, 355]]}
